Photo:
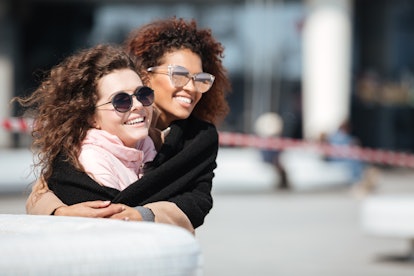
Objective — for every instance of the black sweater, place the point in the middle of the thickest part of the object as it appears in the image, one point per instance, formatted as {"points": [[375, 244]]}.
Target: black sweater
{"points": [[182, 172]]}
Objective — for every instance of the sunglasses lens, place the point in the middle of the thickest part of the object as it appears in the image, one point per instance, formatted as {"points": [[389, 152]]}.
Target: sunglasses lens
{"points": [[203, 82], [122, 102], [145, 95], [179, 76]]}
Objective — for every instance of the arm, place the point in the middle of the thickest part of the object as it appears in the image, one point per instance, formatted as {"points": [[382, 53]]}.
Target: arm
{"points": [[198, 157], [197, 203], [42, 201], [182, 172], [169, 213], [46, 202]]}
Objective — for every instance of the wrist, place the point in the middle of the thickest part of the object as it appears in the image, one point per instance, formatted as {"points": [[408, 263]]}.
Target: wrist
{"points": [[57, 211], [146, 213]]}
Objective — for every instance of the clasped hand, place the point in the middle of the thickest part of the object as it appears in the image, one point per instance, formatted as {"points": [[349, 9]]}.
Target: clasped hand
{"points": [[100, 209]]}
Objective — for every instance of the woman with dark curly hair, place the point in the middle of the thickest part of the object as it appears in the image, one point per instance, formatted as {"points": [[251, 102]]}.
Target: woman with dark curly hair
{"points": [[183, 65]]}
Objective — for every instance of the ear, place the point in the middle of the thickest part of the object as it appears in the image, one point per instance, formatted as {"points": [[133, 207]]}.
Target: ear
{"points": [[93, 123], [146, 78]]}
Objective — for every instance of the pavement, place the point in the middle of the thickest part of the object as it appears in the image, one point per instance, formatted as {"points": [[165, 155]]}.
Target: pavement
{"points": [[293, 233], [256, 229]]}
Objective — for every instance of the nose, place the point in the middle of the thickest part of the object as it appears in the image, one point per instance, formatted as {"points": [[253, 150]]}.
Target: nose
{"points": [[190, 85], [136, 104]]}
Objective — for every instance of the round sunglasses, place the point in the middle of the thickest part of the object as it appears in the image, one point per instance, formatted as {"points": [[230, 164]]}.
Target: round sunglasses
{"points": [[180, 76], [122, 101]]}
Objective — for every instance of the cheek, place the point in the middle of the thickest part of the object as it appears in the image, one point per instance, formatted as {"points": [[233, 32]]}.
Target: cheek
{"points": [[198, 97], [109, 120], [156, 83], [163, 96], [161, 84]]}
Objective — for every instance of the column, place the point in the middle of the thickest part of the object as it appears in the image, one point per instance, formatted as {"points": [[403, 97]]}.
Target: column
{"points": [[327, 42]]}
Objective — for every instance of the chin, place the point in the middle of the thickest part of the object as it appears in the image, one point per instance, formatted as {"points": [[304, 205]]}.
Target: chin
{"points": [[183, 115], [139, 135]]}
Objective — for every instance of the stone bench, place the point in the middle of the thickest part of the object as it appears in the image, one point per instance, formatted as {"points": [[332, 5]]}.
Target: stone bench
{"points": [[389, 216], [49, 245]]}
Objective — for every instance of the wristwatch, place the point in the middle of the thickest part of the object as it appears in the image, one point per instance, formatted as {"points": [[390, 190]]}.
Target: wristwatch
{"points": [[146, 213]]}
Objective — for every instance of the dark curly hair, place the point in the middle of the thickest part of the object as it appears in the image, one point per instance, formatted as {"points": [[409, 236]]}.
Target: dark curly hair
{"points": [[149, 43], [65, 101]]}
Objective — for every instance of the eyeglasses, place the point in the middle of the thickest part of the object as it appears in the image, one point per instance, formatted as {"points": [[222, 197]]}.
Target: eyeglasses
{"points": [[122, 101], [180, 76]]}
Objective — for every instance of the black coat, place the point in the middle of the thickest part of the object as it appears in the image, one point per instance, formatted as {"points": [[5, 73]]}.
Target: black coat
{"points": [[182, 172]]}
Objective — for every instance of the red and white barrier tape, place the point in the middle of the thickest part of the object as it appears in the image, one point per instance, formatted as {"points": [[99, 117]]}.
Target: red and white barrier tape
{"points": [[17, 125], [385, 157], [369, 155]]}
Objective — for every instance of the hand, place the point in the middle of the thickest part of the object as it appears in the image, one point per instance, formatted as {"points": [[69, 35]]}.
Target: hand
{"points": [[91, 209], [127, 213]]}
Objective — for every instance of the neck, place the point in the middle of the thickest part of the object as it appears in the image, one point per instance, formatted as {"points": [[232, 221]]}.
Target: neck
{"points": [[162, 123], [159, 119]]}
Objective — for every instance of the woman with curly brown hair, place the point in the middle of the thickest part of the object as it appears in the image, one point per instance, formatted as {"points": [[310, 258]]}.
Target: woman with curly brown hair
{"points": [[183, 65], [72, 117]]}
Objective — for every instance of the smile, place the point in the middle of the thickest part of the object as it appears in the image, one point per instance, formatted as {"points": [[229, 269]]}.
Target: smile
{"points": [[135, 121], [184, 99]]}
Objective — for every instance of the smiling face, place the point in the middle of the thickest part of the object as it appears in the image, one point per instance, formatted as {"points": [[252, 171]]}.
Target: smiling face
{"points": [[175, 103], [130, 126]]}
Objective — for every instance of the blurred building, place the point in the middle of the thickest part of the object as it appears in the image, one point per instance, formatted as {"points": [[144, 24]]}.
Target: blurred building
{"points": [[382, 112], [264, 55]]}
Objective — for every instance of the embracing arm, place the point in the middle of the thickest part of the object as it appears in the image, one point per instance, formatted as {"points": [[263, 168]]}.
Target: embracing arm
{"points": [[198, 202], [198, 164], [182, 174], [169, 213], [42, 201]]}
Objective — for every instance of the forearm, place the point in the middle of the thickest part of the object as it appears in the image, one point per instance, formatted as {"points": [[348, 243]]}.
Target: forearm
{"points": [[42, 203], [196, 205], [169, 213]]}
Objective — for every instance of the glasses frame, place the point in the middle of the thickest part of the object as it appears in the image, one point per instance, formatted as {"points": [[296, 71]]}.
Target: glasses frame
{"points": [[139, 90], [193, 77]]}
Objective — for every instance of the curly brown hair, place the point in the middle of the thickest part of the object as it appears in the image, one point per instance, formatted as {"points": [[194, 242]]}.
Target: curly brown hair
{"points": [[149, 44], [65, 101]]}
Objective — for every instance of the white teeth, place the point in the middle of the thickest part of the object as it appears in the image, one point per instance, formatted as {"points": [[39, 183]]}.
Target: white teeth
{"points": [[135, 121], [183, 99]]}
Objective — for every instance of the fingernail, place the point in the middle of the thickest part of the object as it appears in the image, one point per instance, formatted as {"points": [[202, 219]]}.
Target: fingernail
{"points": [[126, 219]]}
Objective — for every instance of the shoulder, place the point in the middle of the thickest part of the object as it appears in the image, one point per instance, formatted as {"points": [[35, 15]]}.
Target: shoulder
{"points": [[196, 126], [92, 151], [196, 121], [200, 133], [192, 130], [93, 157]]}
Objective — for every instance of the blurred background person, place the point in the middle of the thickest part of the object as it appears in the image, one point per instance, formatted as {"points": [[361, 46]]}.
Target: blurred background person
{"points": [[270, 125]]}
